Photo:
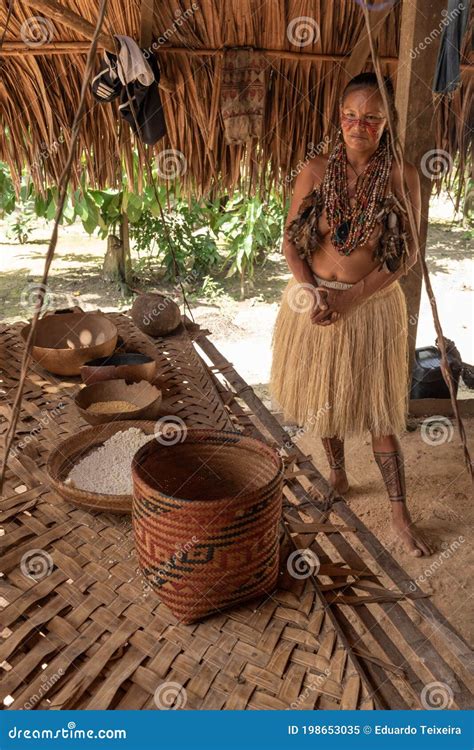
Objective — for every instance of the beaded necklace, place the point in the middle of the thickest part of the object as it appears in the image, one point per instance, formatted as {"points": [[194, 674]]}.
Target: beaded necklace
{"points": [[352, 226]]}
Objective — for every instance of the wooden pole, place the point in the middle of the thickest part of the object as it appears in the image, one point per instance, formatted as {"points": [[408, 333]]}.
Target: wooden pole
{"points": [[361, 49], [414, 100], [71, 20], [146, 22]]}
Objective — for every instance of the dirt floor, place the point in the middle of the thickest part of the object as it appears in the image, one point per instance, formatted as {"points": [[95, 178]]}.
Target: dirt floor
{"points": [[439, 494], [439, 490]]}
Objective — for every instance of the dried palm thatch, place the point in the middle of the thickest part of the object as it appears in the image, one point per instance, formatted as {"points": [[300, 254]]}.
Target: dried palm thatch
{"points": [[39, 91]]}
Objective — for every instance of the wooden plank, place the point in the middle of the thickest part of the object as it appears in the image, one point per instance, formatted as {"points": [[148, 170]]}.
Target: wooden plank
{"points": [[414, 102], [146, 22], [422, 407], [361, 49], [71, 20], [451, 638]]}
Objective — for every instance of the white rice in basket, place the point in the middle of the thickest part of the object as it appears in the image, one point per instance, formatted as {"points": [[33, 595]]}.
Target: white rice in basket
{"points": [[108, 469]]}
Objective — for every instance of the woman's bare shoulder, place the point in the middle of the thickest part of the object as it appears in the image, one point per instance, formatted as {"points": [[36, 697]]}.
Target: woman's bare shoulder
{"points": [[317, 166]]}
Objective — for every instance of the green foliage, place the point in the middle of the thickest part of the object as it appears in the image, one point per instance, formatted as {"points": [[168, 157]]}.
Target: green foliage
{"points": [[206, 237], [252, 228], [181, 240], [22, 222], [7, 193]]}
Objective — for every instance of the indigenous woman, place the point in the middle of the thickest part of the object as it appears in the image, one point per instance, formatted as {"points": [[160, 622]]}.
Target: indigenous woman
{"points": [[340, 342]]}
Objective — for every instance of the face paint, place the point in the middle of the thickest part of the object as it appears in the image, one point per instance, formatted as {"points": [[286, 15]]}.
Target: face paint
{"points": [[350, 122]]}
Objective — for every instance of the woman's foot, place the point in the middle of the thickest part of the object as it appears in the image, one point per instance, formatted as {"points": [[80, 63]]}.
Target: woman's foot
{"points": [[406, 531], [338, 480]]}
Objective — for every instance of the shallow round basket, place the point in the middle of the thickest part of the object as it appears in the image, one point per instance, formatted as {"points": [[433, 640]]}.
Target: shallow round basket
{"points": [[129, 366], [64, 342], [70, 451], [206, 512], [143, 395]]}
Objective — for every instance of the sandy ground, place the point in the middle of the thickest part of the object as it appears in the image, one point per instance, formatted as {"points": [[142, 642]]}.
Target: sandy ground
{"points": [[439, 491]]}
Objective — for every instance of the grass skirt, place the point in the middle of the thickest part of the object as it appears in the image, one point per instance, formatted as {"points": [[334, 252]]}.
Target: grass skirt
{"points": [[346, 378]]}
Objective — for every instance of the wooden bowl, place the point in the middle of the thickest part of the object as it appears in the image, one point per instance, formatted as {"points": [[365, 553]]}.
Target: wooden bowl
{"points": [[64, 342], [144, 395], [62, 459], [129, 366]]}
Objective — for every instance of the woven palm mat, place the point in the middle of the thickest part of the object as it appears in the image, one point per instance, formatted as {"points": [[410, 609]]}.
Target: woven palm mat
{"points": [[79, 627]]}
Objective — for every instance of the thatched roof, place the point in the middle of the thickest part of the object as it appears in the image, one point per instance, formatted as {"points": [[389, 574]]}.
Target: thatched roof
{"points": [[39, 91]]}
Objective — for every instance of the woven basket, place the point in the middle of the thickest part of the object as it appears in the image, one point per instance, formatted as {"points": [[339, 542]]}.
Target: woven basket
{"points": [[206, 515], [70, 451]]}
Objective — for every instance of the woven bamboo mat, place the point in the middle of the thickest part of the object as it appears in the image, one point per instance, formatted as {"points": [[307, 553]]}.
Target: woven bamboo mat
{"points": [[412, 655], [78, 626]]}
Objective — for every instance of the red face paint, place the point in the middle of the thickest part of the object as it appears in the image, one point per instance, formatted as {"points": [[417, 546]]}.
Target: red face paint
{"points": [[350, 122]]}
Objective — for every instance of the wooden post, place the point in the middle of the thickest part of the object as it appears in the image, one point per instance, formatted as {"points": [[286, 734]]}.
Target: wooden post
{"points": [[126, 256], [71, 20], [414, 100], [146, 22], [361, 49]]}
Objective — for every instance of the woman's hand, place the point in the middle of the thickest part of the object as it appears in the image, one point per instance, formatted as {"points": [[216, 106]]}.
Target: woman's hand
{"points": [[331, 304]]}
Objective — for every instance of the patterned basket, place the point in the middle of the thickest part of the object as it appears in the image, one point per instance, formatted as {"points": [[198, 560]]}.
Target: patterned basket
{"points": [[206, 515]]}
